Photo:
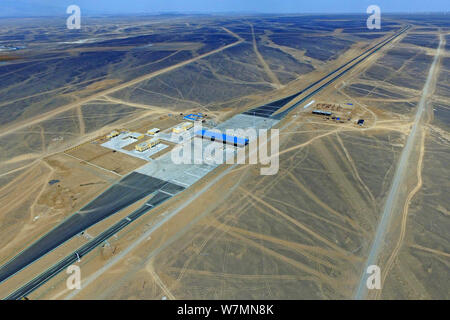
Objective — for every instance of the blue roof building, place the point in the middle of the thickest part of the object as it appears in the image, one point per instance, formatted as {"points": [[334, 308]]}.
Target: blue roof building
{"points": [[222, 137]]}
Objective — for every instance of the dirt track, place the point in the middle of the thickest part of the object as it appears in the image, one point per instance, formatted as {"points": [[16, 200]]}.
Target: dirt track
{"points": [[47, 115], [400, 175]]}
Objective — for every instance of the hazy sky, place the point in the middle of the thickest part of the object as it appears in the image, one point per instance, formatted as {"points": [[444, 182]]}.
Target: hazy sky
{"points": [[50, 7]]}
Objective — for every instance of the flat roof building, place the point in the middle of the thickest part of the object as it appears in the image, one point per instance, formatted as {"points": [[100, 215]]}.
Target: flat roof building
{"points": [[141, 147], [113, 134], [194, 116], [222, 137], [322, 113], [183, 127], [153, 131]]}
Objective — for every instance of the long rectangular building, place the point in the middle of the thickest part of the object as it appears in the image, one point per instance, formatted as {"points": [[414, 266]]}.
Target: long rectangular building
{"points": [[222, 137], [141, 147], [183, 127], [322, 113]]}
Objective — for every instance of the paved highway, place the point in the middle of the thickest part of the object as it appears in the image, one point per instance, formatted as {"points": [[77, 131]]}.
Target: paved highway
{"points": [[274, 106], [157, 199], [367, 54], [122, 194], [44, 277]]}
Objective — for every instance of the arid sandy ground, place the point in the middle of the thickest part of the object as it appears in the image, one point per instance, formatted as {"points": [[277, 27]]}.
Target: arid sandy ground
{"points": [[418, 266], [301, 234]]}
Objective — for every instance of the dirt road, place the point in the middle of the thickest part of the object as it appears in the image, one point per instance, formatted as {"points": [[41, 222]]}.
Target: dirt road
{"points": [[399, 177], [47, 115]]}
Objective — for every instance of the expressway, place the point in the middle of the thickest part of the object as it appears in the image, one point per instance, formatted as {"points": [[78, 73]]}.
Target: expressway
{"points": [[269, 110], [155, 187], [157, 199], [120, 195]]}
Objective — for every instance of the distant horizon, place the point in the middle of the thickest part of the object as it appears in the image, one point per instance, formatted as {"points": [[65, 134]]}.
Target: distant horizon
{"points": [[224, 13], [55, 8]]}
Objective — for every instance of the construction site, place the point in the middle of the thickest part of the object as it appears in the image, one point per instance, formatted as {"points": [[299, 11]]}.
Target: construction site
{"points": [[94, 182], [342, 113], [122, 150]]}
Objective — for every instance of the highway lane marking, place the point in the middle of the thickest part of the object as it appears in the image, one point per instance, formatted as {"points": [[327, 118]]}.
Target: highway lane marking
{"points": [[191, 174], [368, 53], [166, 218], [157, 225], [75, 256], [169, 194], [178, 182]]}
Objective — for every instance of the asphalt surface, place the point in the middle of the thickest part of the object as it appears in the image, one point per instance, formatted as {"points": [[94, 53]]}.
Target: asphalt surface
{"points": [[72, 258], [368, 53], [398, 181], [131, 189], [270, 108], [127, 191]]}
